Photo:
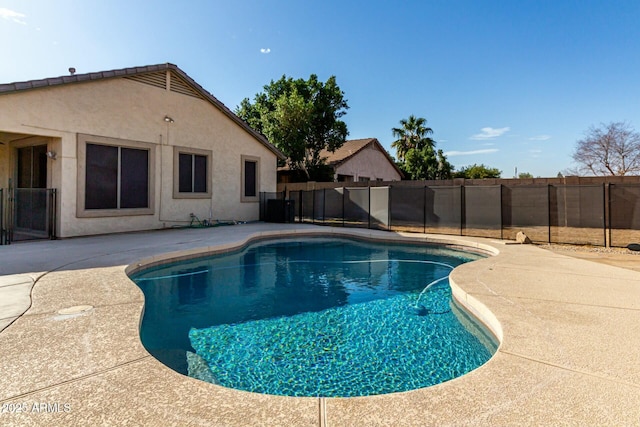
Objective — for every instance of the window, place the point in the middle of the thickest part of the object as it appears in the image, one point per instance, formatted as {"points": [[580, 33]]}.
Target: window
{"points": [[250, 179], [114, 177], [32, 166], [364, 179], [192, 173]]}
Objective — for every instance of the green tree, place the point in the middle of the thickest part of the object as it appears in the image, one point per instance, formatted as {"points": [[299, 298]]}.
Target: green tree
{"points": [[524, 175], [426, 163], [477, 172], [412, 134], [417, 155], [301, 117]]}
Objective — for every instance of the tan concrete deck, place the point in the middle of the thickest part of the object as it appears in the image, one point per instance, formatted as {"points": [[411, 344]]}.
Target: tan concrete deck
{"points": [[570, 351]]}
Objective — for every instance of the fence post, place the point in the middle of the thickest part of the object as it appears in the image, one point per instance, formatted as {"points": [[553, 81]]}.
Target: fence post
{"points": [[324, 205], [344, 194], [605, 193], [1, 217], [501, 215], [610, 204], [369, 209], [313, 206], [424, 210], [9, 218], [52, 214], [389, 208], [549, 186], [462, 210]]}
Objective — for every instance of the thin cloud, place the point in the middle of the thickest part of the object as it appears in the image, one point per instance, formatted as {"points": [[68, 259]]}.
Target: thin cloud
{"points": [[540, 138], [490, 133], [468, 153], [535, 154], [265, 50], [14, 16]]}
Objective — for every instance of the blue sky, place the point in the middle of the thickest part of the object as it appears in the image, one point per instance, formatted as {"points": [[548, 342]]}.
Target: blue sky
{"points": [[511, 84]]}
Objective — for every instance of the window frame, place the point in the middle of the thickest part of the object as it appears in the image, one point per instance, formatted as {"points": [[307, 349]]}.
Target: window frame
{"points": [[244, 198], [177, 194], [83, 140]]}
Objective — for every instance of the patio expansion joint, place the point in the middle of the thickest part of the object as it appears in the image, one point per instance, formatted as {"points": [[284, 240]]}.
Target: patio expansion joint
{"points": [[79, 261], [322, 412], [576, 371], [77, 379], [26, 282]]}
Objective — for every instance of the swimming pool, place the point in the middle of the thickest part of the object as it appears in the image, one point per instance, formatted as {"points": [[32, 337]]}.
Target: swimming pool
{"points": [[313, 317]]}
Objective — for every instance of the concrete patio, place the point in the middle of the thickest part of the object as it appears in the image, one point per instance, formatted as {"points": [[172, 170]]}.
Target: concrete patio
{"points": [[569, 352]]}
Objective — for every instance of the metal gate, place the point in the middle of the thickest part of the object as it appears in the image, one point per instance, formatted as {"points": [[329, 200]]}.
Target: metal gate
{"points": [[27, 214]]}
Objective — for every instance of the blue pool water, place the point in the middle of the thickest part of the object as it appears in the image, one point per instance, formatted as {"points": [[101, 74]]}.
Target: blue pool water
{"points": [[317, 317]]}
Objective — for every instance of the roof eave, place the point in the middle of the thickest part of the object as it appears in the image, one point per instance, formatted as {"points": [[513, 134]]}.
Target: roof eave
{"points": [[10, 88], [225, 110]]}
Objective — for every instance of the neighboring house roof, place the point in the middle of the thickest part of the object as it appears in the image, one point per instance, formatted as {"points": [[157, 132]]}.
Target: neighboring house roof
{"points": [[187, 86], [351, 148]]}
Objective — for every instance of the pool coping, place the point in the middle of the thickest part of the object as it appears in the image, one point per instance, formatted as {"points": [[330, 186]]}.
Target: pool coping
{"points": [[97, 366]]}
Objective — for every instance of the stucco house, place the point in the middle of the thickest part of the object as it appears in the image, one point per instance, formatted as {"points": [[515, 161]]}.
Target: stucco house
{"points": [[357, 160], [125, 150], [362, 160]]}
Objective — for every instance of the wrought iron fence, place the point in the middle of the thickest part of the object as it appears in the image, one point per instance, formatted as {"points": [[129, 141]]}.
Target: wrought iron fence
{"points": [[598, 214], [4, 238], [27, 214]]}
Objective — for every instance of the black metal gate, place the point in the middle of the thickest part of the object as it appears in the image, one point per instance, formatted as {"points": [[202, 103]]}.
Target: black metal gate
{"points": [[27, 214], [4, 238]]}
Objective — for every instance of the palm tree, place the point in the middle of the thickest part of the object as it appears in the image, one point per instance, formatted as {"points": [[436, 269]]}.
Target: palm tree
{"points": [[412, 134]]}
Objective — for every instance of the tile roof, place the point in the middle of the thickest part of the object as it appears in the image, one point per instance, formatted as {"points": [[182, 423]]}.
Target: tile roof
{"points": [[132, 71], [347, 150], [351, 148]]}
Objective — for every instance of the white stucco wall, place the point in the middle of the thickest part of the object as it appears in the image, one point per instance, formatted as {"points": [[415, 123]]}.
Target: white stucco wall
{"points": [[129, 110], [369, 162]]}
